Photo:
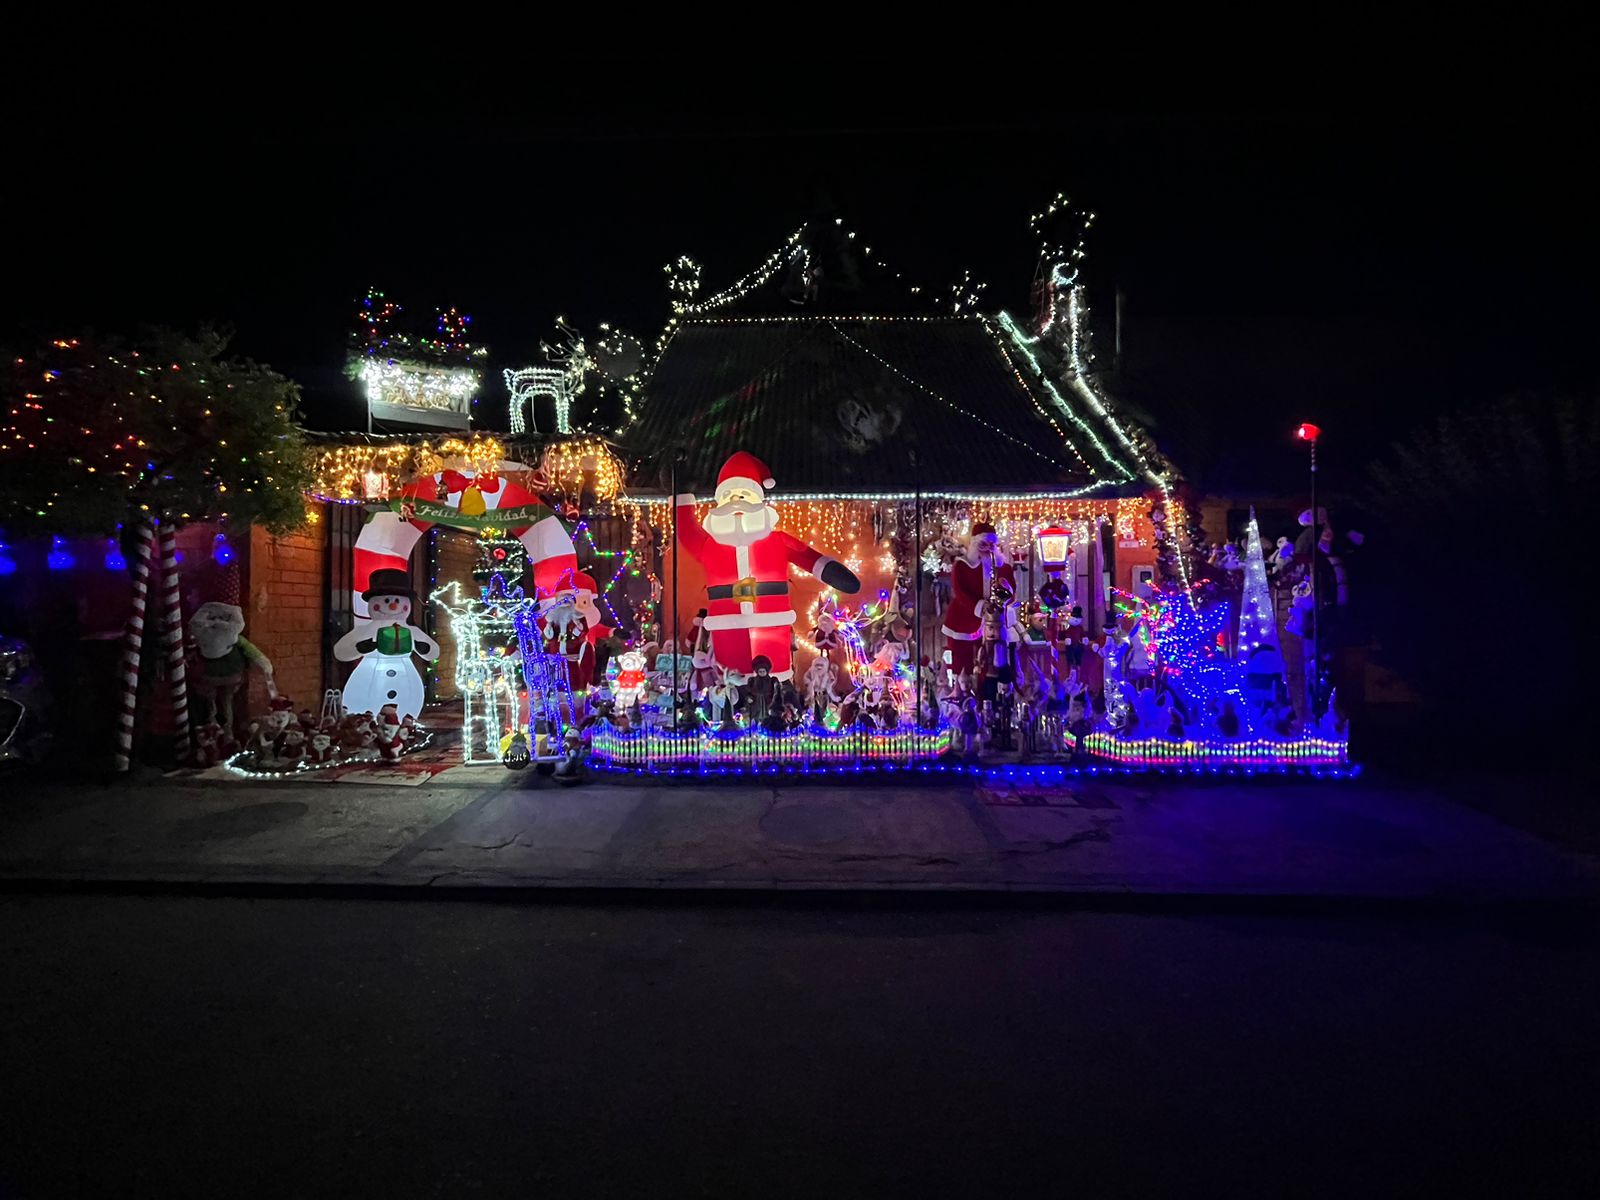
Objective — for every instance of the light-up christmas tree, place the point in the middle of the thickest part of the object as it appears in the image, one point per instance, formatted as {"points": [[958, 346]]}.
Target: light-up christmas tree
{"points": [[502, 555], [1258, 624]]}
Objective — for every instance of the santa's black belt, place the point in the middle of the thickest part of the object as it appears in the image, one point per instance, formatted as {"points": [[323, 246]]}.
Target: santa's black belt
{"points": [[745, 591]]}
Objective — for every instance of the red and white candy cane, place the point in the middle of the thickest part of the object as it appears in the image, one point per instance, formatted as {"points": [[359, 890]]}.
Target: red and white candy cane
{"points": [[132, 646], [172, 634]]}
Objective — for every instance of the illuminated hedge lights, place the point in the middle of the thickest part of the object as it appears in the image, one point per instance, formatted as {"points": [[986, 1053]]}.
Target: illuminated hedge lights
{"points": [[1257, 753], [756, 748]]}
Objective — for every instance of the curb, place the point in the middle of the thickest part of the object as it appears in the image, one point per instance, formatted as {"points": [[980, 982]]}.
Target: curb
{"points": [[811, 895]]}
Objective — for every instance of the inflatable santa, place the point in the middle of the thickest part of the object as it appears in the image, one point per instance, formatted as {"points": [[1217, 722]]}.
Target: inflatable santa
{"points": [[746, 559], [972, 578]]}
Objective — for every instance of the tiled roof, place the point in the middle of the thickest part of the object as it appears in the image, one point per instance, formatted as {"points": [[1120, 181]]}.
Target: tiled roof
{"points": [[854, 406]]}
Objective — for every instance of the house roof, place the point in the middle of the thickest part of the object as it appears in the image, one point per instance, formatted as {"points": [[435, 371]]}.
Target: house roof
{"points": [[862, 406]]}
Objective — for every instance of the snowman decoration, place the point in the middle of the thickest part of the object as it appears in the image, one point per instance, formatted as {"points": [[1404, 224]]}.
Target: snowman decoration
{"points": [[384, 643]]}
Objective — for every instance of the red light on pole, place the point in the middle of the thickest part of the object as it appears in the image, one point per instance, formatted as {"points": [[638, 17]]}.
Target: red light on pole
{"points": [[1308, 433]]}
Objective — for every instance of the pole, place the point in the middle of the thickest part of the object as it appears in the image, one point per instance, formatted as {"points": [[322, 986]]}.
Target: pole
{"points": [[675, 555], [132, 646], [172, 615], [916, 601], [1316, 592]]}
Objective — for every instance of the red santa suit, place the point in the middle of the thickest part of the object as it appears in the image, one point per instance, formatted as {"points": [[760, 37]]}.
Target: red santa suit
{"points": [[588, 591], [746, 560], [969, 594], [576, 648]]}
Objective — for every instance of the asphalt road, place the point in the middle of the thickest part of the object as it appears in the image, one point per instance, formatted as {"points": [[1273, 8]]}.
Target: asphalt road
{"points": [[309, 1047]]}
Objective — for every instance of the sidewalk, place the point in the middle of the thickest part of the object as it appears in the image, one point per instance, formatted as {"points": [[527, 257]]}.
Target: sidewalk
{"points": [[485, 826]]}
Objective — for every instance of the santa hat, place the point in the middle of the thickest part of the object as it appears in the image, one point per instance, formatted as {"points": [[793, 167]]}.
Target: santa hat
{"points": [[743, 470], [585, 583]]}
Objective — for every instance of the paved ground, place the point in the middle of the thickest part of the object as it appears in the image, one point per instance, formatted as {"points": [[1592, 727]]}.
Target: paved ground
{"points": [[1365, 837], [783, 1046]]}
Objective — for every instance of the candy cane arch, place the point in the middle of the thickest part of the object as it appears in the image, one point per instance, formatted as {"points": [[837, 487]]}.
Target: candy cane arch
{"points": [[388, 538], [172, 634], [132, 644]]}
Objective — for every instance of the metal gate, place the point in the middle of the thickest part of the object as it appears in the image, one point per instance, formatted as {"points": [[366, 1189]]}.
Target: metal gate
{"points": [[343, 522]]}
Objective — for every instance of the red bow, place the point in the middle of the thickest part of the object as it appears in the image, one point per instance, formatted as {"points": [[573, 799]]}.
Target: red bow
{"points": [[455, 481]]}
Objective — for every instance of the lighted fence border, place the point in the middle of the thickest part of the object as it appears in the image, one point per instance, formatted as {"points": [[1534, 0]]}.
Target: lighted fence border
{"points": [[653, 749], [1261, 754]]}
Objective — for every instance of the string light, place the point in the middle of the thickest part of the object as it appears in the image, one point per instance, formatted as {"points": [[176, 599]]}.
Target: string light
{"points": [[567, 464], [174, 429], [527, 383], [486, 673], [424, 374], [1158, 752], [377, 470], [755, 748], [419, 386], [922, 387], [1258, 623]]}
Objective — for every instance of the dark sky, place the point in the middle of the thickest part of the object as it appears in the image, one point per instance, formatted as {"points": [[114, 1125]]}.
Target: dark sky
{"points": [[1358, 270]]}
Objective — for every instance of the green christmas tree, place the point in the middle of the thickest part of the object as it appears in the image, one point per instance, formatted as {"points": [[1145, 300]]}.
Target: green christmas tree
{"points": [[500, 555]]}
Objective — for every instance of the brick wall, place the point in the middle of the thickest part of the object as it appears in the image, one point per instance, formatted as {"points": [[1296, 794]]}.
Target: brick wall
{"points": [[285, 611]]}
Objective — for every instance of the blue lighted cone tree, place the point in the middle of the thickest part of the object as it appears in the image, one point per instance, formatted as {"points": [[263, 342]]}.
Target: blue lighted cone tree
{"points": [[1258, 625]]}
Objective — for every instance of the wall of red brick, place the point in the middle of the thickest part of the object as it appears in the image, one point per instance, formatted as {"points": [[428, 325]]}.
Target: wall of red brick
{"points": [[285, 581]]}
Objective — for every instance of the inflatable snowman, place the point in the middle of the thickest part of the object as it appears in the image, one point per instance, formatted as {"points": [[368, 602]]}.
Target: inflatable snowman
{"points": [[384, 643]]}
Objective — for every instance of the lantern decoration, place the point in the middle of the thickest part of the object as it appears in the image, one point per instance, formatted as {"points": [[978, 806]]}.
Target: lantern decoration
{"points": [[1054, 553]]}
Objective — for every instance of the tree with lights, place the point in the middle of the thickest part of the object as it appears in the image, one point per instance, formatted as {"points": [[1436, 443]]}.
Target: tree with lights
{"points": [[164, 427], [148, 433]]}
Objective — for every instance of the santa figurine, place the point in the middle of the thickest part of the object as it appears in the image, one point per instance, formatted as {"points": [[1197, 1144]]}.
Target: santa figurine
{"points": [[391, 734], [207, 744], [567, 635], [746, 560], [320, 748], [265, 733], [972, 579], [225, 656], [819, 686], [291, 748]]}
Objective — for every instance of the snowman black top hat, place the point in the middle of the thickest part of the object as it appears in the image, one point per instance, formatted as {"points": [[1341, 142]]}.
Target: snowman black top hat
{"points": [[390, 581]]}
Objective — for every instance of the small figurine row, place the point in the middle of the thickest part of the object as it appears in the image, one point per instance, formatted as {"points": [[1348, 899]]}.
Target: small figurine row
{"points": [[283, 740]]}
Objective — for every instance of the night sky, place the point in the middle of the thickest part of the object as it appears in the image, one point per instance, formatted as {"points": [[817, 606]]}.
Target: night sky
{"points": [[1359, 271]]}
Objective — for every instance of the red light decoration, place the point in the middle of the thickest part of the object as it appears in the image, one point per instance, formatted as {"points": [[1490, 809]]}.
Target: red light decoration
{"points": [[1308, 432]]}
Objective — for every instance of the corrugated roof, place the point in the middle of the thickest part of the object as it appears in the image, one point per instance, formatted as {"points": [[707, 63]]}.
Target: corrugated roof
{"points": [[842, 406]]}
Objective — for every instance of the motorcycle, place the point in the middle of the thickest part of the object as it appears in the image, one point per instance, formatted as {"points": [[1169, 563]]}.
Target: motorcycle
{"points": [[24, 706]]}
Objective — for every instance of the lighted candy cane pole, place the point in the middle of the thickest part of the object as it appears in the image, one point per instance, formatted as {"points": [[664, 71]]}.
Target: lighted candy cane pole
{"points": [[172, 634], [132, 646]]}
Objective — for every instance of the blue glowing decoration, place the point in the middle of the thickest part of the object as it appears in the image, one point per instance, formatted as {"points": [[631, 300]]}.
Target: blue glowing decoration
{"points": [[8, 565], [59, 558], [114, 560], [221, 551]]}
